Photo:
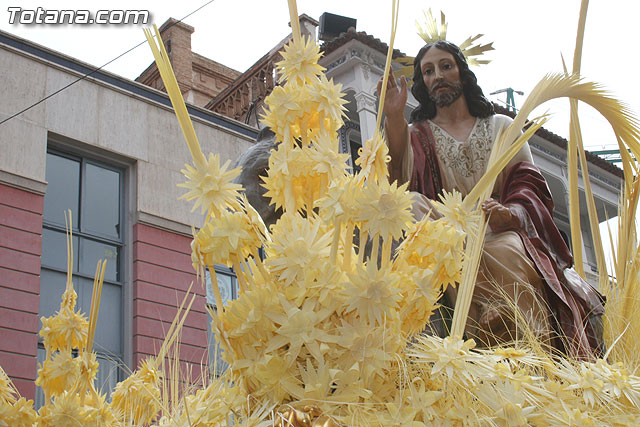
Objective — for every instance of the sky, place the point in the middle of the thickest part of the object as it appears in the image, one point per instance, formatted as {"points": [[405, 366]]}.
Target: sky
{"points": [[529, 38]]}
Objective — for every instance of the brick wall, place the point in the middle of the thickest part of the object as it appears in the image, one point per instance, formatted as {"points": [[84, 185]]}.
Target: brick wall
{"points": [[162, 275], [180, 54], [20, 249], [200, 79]]}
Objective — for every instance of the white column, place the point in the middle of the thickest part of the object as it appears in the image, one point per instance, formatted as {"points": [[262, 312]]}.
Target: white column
{"points": [[367, 113], [565, 180]]}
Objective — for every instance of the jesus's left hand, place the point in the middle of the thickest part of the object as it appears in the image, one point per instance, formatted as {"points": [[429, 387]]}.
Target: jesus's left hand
{"points": [[500, 216]]}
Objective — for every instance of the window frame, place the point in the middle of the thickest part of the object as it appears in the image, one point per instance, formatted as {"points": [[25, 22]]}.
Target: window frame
{"points": [[213, 348], [90, 155], [97, 237], [350, 133]]}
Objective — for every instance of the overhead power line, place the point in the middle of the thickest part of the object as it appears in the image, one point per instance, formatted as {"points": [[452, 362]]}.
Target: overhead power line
{"points": [[96, 69]]}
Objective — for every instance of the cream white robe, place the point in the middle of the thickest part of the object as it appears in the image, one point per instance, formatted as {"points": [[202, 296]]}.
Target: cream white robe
{"points": [[507, 276]]}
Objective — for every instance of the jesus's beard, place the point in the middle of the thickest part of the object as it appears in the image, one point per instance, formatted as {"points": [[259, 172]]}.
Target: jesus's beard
{"points": [[447, 97]]}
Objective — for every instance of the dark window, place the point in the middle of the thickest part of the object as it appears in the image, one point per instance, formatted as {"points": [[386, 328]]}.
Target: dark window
{"points": [[101, 202], [228, 284], [63, 191], [354, 146], [94, 193]]}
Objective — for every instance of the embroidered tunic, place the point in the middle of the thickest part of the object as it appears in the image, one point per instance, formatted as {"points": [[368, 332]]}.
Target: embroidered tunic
{"points": [[462, 163]]}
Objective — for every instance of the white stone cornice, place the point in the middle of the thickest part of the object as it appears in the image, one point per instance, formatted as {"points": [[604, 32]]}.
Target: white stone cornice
{"points": [[352, 53]]}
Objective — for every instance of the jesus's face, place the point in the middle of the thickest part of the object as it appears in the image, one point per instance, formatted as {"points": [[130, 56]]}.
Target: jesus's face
{"points": [[441, 77]]}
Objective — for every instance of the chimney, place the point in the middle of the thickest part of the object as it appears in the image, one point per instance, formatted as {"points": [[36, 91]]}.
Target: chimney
{"points": [[177, 41], [308, 26], [331, 26]]}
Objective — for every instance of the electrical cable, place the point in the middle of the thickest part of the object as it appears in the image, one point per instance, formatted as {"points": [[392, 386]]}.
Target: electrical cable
{"points": [[97, 69]]}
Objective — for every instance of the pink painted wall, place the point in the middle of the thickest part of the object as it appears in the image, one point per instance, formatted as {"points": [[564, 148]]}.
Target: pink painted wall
{"points": [[20, 249], [162, 274]]}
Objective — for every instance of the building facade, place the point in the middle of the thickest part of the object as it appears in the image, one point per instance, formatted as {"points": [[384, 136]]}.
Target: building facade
{"points": [[111, 150]]}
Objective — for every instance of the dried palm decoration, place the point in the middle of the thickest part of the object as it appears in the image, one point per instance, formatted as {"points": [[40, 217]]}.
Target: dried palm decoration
{"points": [[431, 32], [67, 375], [321, 334]]}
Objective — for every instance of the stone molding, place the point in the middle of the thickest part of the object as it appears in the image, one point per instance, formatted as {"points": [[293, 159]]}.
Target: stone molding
{"points": [[365, 102], [23, 183]]}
